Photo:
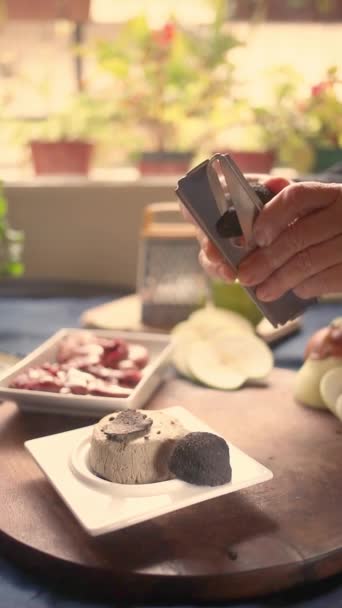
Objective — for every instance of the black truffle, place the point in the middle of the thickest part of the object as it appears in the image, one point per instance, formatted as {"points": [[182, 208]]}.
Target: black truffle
{"points": [[228, 225], [127, 426], [201, 459], [264, 193]]}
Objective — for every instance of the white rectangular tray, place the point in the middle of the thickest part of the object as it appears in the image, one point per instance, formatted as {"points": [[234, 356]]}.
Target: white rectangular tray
{"points": [[159, 348], [101, 507]]}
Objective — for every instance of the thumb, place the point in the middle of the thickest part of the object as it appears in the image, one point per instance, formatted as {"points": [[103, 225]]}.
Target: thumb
{"points": [[276, 184]]}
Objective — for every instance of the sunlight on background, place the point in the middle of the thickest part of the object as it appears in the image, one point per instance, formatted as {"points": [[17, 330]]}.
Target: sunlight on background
{"points": [[267, 44], [39, 71], [157, 11]]}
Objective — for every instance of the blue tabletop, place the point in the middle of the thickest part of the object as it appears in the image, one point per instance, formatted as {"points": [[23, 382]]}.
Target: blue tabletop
{"points": [[24, 323]]}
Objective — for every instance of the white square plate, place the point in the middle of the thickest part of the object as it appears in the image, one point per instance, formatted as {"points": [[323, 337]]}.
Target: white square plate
{"points": [[101, 506], [158, 346]]}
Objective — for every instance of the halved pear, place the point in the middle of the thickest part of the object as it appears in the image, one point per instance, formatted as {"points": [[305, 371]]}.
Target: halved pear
{"points": [[331, 387], [227, 361], [338, 408], [308, 379]]}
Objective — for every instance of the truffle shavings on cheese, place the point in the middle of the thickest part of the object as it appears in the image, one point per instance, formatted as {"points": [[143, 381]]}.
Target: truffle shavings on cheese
{"points": [[142, 459]]}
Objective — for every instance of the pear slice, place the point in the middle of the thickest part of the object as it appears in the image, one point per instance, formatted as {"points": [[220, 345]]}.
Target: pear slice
{"points": [[331, 387], [209, 320], [210, 370], [250, 354], [182, 336], [228, 360], [180, 357], [184, 332]]}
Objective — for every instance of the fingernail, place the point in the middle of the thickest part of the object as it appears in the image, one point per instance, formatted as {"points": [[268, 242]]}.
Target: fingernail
{"points": [[264, 293], [245, 279], [225, 273], [245, 275], [228, 275], [261, 238], [204, 241]]}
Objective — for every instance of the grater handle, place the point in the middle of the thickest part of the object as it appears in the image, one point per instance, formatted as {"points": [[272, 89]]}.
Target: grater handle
{"points": [[166, 219]]}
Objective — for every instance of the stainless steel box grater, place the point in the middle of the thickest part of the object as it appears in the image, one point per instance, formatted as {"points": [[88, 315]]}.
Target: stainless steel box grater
{"points": [[170, 280]]}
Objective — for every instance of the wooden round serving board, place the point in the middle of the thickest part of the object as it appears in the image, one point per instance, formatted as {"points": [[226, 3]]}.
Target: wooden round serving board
{"points": [[266, 538]]}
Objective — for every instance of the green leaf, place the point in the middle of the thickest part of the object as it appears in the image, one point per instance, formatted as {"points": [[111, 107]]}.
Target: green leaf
{"points": [[3, 203], [12, 269]]}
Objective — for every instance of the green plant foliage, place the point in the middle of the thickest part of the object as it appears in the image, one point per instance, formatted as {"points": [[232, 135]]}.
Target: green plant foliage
{"points": [[279, 125], [84, 118], [323, 111], [11, 244], [168, 82]]}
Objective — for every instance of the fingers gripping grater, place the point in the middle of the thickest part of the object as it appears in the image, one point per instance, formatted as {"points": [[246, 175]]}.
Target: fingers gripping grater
{"points": [[225, 206]]}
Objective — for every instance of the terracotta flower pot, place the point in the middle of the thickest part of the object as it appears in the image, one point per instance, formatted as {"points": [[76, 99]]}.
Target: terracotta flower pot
{"points": [[42, 10], [164, 163], [252, 162], [61, 157]]}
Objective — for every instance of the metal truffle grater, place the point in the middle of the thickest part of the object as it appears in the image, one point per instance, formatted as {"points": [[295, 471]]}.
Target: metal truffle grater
{"points": [[221, 200], [170, 281]]}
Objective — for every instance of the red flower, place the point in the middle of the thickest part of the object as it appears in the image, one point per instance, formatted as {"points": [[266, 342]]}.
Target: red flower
{"points": [[165, 36], [168, 32], [320, 88]]}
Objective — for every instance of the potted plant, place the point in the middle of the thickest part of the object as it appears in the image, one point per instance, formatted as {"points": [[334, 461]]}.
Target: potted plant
{"points": [[274, 132], [63, 143], [43, 10], [249, 144], [322, 110], [167, 82]]}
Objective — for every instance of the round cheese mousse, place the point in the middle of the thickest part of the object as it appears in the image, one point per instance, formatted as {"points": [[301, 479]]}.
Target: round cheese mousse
{"points": [[134, 447]]}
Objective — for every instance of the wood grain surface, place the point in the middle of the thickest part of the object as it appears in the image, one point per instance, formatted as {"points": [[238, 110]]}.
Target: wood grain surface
{"points": [[266, 538]]}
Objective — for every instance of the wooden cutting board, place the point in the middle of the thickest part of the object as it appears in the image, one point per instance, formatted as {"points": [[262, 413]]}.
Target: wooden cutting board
{"points": [[123, 313], [262, 539]]}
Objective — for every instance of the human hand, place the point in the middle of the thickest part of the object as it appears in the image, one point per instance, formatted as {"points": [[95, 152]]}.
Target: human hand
{"points": [[299, 234], [210, 257]]}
